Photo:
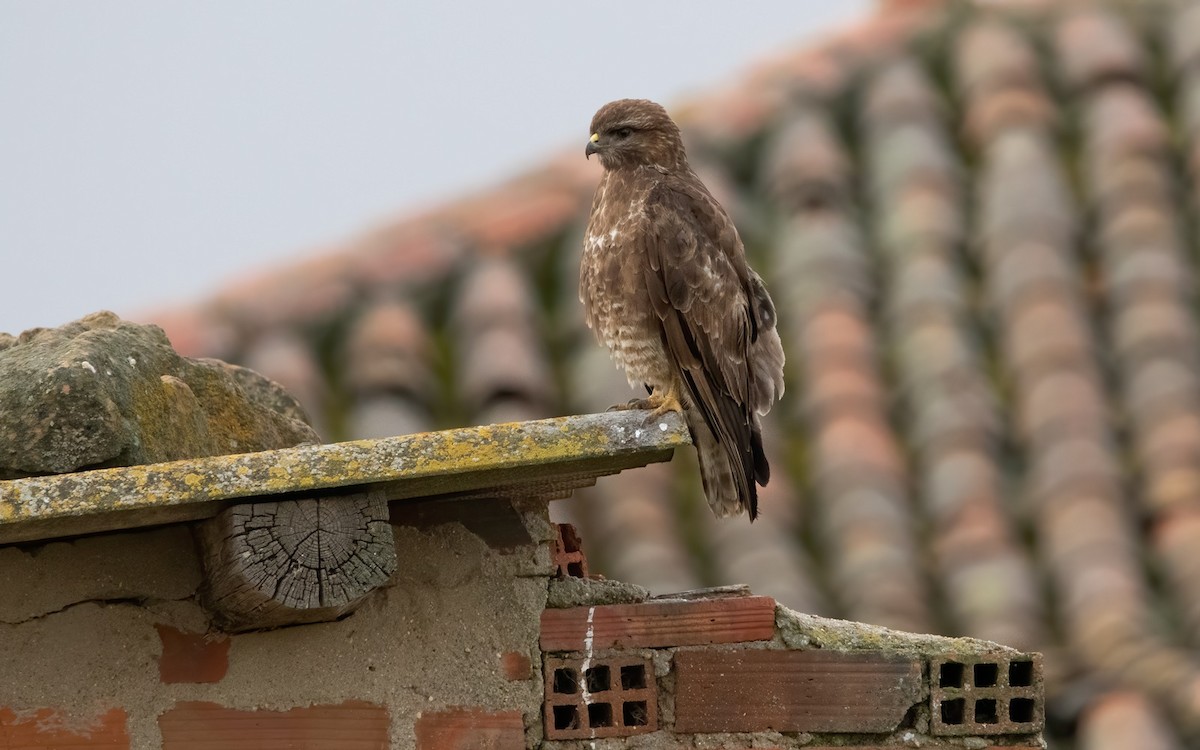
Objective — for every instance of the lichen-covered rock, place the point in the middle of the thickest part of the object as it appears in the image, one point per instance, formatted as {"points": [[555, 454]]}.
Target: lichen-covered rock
{"points": [[104, 392]]}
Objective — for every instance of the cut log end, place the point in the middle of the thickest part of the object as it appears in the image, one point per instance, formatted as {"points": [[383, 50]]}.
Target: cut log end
{"points": [[286, 562]]}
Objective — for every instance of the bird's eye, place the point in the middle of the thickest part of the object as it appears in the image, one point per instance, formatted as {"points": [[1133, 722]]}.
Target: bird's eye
{"points": [[623, 132]]}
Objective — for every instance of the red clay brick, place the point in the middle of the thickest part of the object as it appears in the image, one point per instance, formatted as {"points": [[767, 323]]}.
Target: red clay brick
{"points": [[46, 728], [793, 691], [196, 725], [567, 553], [661, 623], [470, 729], [987, 694], [191, 657], [595, 697], [516, 666]]}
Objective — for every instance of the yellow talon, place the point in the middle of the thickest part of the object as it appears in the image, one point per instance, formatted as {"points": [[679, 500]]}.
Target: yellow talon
{"points": [[661, 403]]}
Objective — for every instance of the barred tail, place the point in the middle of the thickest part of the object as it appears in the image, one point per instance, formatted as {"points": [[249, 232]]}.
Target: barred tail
{"points": [[729, 487]]}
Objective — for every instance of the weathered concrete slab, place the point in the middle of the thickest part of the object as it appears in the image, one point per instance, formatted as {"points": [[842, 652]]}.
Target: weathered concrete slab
{"points": [[542, 458]]}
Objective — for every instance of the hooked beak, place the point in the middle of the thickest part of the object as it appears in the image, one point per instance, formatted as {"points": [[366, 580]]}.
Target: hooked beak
{"points": [[593, 145]]}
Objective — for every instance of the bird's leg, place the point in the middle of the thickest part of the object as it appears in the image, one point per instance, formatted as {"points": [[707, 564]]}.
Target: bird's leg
{"points": [[661, 402]]}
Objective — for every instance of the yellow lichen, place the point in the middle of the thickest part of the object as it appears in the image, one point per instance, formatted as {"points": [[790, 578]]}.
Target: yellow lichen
{"points": [[469, 457]]}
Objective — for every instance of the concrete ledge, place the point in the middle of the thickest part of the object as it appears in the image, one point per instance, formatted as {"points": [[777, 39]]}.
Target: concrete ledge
{"points": [[545, 458]]}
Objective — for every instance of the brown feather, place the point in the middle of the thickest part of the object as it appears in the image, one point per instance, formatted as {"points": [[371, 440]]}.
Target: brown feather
{"points": [[664, 282]]}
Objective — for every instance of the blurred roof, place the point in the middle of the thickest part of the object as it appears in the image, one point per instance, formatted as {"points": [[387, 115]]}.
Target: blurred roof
{"points": [[977, 222]]}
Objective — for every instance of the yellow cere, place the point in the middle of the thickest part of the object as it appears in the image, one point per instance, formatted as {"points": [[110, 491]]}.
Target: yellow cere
{"points": [[595, 137]]}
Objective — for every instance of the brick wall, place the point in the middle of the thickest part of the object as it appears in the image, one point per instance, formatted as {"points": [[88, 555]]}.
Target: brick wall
{"points": [[733, 665], [105, 646], [461, 653]]}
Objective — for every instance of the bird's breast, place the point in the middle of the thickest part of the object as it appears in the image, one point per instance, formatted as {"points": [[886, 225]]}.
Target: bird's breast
{"points": [[613, 290]]}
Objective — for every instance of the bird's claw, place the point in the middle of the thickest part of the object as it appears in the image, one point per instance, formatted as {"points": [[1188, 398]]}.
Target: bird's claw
{"points": [[657, 405], [633, 403]]}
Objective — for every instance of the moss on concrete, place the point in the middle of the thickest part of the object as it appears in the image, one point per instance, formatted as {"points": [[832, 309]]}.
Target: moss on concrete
{"points": [[535, 457], [580, 592], [801, 631]]}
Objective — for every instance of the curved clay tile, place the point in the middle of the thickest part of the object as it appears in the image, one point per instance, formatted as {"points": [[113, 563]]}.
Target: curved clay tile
{"points": [[1095, 46], [899, 91], [1182, 33], [502, 366], [388, 372], [288, 359], [992, 54], [857, 464], [1125, 720], [767, 554]]}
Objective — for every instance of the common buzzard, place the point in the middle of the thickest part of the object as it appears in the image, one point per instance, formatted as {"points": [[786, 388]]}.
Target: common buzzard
{"points": [[665, 286]]}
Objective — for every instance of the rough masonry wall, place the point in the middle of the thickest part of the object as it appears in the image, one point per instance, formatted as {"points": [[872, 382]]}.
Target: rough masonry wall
{"points": [[102, 643]]}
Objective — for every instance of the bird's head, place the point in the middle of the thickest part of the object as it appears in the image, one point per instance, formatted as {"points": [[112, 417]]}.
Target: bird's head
{"points": [[635, 132]]}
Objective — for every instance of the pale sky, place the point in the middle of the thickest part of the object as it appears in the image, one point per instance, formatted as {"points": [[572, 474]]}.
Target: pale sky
{"points": [[151, 151]]}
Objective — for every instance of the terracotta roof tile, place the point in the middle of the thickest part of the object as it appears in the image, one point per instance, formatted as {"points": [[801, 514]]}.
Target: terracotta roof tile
{"points": [[977, 224], [309, 292], [519, 213], [1121, 120], [841, 388], [1174, 438], [1149, 272], [1073, 464], [952, 423], [287, 359], [900, 91], [956, 409], [1183, 36], [931, 348], [408, 255], [996, 111], [494, 293], [1188, 104], [386, 415], [835, 332], [388, 351], [1062, 401], [767, 557], [1124, 181], [807, 171], [1044, 332], [851, 441], [926, 286], [498, 344], [1151, 325], [1028, 271], [813, 251], [990, 54], [1021, 198], [199, 332], [1175, 540], [1161, 385], [638, 519], [920, 216], [1094, 46]]}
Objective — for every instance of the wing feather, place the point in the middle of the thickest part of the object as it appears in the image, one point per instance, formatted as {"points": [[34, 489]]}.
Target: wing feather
{"points": [[699, 287]]}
